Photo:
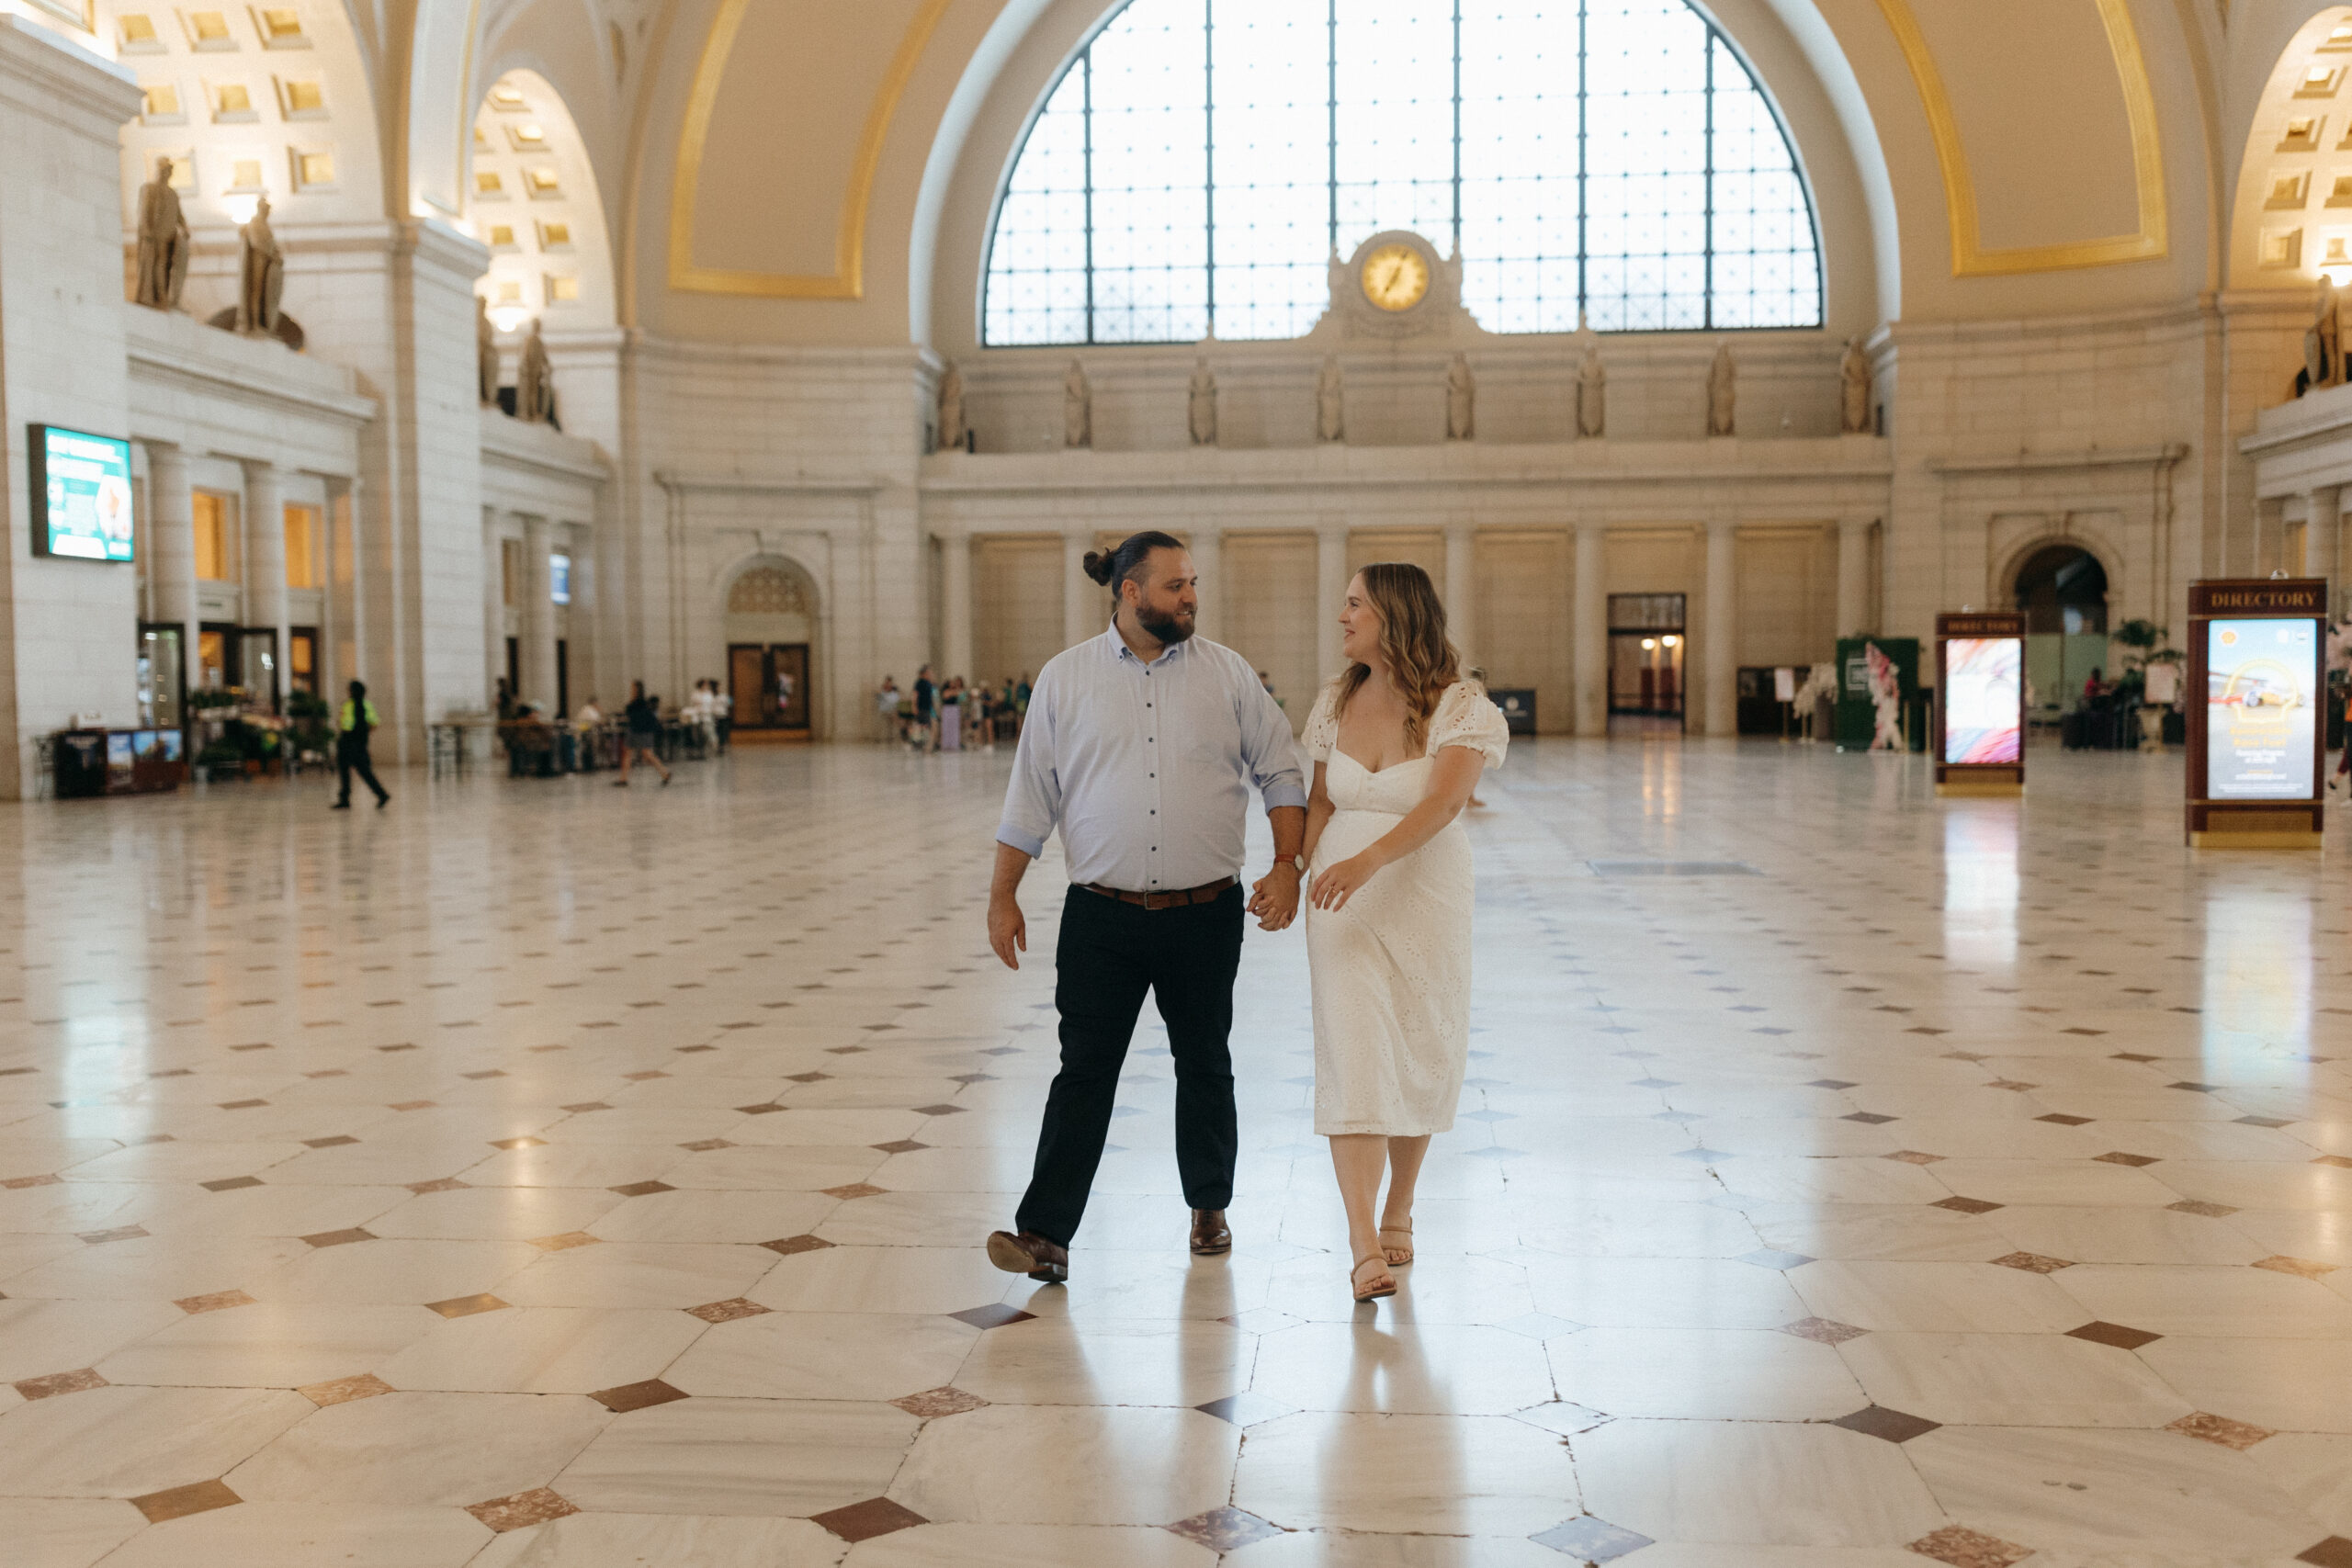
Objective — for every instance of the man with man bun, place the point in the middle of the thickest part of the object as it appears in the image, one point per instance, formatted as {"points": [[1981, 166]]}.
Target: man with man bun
{"points": [[1141, 747]]}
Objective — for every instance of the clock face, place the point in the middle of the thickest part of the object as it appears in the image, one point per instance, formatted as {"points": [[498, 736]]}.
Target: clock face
{"points": [[1395, 276]]}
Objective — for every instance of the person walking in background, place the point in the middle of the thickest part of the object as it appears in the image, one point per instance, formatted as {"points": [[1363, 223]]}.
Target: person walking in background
{"points": [[926, 708], [643, 716], [951, 715], [886, 709], [722, 714], [1398, 742], [2344, 762], [353, 727]]}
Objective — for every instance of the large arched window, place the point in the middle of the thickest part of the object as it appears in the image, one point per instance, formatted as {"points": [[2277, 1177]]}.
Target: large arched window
{"points": [[1200, 159]]}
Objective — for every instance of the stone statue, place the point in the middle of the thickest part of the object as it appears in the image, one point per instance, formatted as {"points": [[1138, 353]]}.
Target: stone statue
{"points": [[2323, 359], [952, 428], [1461, 399], [1854, 388], [1592, 384], [1077, 407], [1722, 393], [163, 242], [260, 277], [535, 381], [1200, 407], [486, 363], [1330, 401]]}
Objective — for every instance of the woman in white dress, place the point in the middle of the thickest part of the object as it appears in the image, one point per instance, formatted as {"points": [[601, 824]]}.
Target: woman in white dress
{"points": [[1398, 742]]}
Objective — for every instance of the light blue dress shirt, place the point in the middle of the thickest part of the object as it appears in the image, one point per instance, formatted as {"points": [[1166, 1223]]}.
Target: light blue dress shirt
{"points": [[1146, 768]]}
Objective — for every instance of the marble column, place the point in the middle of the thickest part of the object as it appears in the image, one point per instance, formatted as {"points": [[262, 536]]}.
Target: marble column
{"points": [[493, 602], [1085, 607], [954, 606], [265, 514], [1719, 650], [1590, 632], [347, 588], [1853, 576], [1461, 588], [538, 613], [1207, 550], [171, 563], [1331, 576], [2322, 524]]}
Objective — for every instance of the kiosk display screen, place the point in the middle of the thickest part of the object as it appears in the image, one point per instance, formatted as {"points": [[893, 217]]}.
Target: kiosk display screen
{"points": [[80, 494], [2261, 709], [1983, 700]]}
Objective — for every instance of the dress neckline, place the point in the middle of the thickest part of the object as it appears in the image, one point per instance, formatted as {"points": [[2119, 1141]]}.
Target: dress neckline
{"points": [[1375, 772]]}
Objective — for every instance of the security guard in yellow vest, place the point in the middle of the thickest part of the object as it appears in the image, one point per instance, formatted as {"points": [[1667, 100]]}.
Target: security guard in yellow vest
{"points": [[353, 727]]}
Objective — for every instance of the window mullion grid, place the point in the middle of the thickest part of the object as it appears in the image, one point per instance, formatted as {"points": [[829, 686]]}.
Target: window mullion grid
{"points": [[1457, 126], [1583, 163], [1708, 298], [1086, 120], [1208, 141], [1331, 148]]}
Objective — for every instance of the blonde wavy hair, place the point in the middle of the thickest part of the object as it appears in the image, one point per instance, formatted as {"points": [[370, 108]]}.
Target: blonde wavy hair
{"points": [[1412, 644]]}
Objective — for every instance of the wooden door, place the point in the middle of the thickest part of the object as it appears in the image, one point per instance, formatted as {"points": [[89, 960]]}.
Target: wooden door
{"points": [[790, 662], [747, 683]]}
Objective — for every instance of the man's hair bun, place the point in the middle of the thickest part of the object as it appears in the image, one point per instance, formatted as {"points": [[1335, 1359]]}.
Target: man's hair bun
{"points": [[1101, 566]]}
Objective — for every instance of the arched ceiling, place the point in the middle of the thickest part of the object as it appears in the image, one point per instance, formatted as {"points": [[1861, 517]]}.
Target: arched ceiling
{"points": [[793, 171]]}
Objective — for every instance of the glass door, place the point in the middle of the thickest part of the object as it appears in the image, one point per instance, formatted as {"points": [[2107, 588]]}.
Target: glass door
{"points": [[159, 678]]}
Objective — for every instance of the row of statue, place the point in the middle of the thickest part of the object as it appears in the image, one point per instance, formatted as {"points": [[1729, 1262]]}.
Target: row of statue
{"points": [[534, 375], [1461, 399], [165, 247]]}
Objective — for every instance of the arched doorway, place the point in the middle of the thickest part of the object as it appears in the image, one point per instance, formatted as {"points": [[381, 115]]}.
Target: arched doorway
{"points": [[771, 633], [2062, 589]]}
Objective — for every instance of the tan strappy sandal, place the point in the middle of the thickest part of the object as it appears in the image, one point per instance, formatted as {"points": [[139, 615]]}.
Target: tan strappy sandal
{"points": [[1374, 1293], [1391, 1252]]}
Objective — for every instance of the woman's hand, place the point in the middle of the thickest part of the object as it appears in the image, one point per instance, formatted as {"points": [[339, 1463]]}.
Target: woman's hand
{"points": [[1336, 883]]}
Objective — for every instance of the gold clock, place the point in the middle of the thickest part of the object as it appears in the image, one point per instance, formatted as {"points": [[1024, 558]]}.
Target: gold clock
{"points": [[1395, 276]]}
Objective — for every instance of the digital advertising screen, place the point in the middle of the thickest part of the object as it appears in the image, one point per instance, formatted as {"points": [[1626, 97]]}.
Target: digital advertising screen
{"points": [[2262, 685], [80, 494], [1983, 701]]}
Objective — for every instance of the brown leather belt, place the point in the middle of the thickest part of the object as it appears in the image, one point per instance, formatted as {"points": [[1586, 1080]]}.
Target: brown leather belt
{"points": [[1206, 893]]}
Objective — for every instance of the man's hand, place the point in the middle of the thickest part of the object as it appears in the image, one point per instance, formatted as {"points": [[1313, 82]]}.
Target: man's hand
{"points": [[1274, 897], [1008, 933]]}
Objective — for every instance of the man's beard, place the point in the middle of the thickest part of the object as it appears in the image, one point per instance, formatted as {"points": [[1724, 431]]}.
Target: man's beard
{"points": [[1168, 628]]}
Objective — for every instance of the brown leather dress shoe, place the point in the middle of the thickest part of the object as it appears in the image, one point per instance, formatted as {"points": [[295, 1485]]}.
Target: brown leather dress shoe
{"points": [[1030, 1254], [1210, 1236]]}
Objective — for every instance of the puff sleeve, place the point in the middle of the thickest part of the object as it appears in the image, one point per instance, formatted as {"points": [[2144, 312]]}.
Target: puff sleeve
{"points": [[1321, 737], [1466, 717]]}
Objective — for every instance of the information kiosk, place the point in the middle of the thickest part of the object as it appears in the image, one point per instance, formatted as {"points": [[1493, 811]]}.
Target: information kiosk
{"points": [[1980, 704], [2257, 672]]}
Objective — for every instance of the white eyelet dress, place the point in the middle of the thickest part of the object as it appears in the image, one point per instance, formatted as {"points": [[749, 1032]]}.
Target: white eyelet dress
{"points": [[1391, 971]]}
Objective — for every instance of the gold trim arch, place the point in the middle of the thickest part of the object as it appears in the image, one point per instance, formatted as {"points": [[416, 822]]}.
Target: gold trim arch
{"points": [[847, 280], [1970, 258]]}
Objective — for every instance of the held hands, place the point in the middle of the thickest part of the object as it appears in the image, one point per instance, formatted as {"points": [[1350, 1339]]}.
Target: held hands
{"points": [[1008, 933], [1274, 897], [1339, 883]]}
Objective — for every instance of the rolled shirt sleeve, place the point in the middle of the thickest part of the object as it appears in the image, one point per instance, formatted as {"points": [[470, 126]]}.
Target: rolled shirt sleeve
{"points": [[1033, 799], [1269, 751]]}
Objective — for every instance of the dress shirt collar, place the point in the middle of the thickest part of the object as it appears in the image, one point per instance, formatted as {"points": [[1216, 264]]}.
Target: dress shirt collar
{"points": [[1119, 646]]}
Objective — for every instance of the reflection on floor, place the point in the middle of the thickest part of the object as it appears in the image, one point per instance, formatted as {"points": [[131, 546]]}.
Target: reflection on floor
{"points": [[540, 1174]]}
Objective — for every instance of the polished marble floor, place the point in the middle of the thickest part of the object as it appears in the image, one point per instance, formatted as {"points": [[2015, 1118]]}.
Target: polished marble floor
{"points": [[539, 1174]]}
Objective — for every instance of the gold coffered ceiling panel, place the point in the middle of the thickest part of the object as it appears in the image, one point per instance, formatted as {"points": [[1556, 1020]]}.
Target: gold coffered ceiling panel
{"points": [[783, 135], [2048, 103]]}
